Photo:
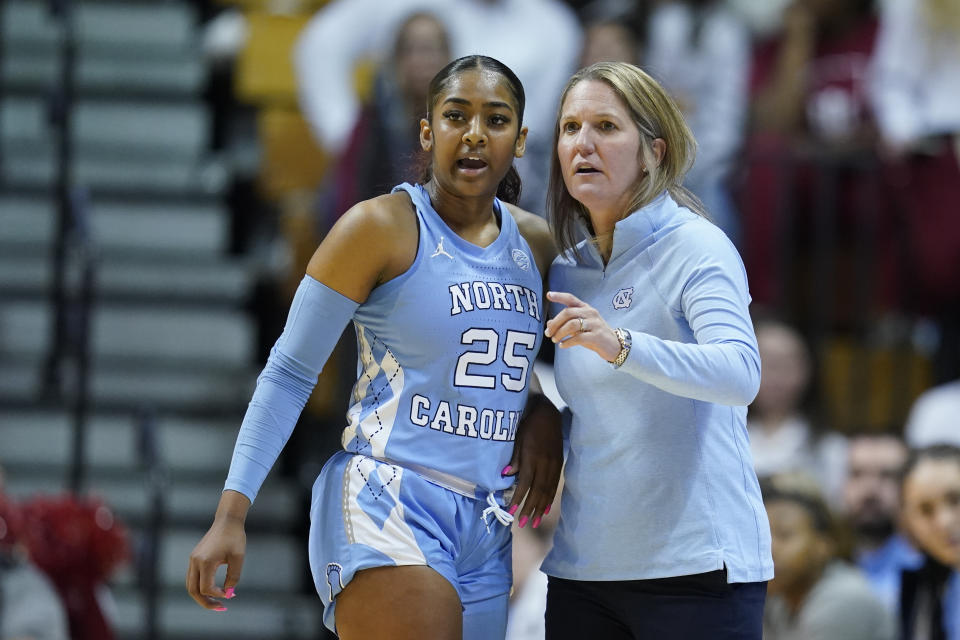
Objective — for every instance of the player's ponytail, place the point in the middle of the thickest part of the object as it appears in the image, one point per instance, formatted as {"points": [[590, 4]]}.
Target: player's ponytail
{"points": [[509, 188]]}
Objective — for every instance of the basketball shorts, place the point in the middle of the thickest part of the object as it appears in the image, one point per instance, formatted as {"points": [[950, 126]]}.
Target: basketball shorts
{"points": [[367, 513]]}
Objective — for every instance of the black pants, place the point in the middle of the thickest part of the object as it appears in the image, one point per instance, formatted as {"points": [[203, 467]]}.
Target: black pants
{"points": [[698, 607]]}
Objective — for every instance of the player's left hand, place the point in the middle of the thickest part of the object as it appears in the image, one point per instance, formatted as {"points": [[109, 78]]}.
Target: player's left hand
{"points": [[537, 461], [579, 324]]}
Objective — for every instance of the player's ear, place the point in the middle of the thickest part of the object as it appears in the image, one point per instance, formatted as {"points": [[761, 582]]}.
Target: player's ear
{"points": [[426, 135], [520, 146]]}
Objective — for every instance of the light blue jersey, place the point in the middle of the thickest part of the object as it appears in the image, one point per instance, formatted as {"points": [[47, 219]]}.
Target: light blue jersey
{"points": [[658, 480], [445, 355]]}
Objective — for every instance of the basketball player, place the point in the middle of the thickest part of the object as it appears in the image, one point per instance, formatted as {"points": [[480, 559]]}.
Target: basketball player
{"points": [[410, 523]]}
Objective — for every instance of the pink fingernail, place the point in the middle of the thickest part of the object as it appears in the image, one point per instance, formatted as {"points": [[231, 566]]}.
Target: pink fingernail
{"points": [[220, 608], [229, 593], [507, 469], [536, 522], [513, 509], [547, 510], [523, 521]]}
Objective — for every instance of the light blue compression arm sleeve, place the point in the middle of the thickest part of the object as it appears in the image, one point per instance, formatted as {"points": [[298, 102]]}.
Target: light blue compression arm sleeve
{"points": [[316, 320]]}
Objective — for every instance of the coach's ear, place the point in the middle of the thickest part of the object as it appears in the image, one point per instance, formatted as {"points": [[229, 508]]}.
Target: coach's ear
{"points": [[659, 149]]}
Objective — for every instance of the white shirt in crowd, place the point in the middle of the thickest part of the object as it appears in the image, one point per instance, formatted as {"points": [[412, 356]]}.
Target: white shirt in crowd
{"points": [[538, 39], [916, 75], [934, 417]]}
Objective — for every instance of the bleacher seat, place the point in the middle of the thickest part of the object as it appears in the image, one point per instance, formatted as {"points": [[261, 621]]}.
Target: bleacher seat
{"points": [[169, 328]]}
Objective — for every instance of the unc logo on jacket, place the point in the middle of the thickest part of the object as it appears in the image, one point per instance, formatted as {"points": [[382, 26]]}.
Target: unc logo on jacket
{"points": [[486, 312]]}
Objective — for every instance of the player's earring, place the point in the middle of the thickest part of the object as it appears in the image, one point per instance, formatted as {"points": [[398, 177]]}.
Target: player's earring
{"points": [[646, 171]]}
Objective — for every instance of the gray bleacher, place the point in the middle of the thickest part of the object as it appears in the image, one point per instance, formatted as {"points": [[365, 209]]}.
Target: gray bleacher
{"points": [[168, 332]]}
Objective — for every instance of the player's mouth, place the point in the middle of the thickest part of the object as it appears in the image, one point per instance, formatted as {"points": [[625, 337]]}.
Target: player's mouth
{"points": [[471, 164]]}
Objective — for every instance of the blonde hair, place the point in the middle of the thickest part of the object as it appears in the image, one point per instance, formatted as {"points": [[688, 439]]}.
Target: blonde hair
{"points": [[655, 115]]}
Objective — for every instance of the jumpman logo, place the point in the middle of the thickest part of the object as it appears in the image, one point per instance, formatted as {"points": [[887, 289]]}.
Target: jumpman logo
{"points": [[440, 251]]}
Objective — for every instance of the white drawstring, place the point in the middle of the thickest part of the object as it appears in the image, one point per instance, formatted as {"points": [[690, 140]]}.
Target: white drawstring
{"points": [[498, 512]]}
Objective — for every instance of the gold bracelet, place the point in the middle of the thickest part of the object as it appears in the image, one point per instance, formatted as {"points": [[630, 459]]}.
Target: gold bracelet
{"points": [[625, 343]]}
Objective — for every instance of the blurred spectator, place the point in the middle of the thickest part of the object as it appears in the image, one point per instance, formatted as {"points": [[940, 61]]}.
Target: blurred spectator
{"points": [[871, 501], [916, 94], [539, 39], [609, 40], [30, 608], [386, 136], [613, 31], [815, 595], [811, 142], [79, 545], [76, 544], [700, 51], [810, 80], [916, 81], [784, 436], [930, 595], [763, 19], [934, 415]]}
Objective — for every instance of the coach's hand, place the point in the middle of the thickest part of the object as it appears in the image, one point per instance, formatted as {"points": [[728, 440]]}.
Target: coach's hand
{"points": [[537, 461], [224, 543], [580, 325]]}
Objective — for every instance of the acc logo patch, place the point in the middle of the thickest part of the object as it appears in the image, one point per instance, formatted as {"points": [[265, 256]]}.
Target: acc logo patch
{"points": [[522, 259], [623, 298]]}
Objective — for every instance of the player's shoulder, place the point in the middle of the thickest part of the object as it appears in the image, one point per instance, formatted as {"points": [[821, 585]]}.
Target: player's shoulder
{"points": [[526, 220], [536, 232], [388, 214]]}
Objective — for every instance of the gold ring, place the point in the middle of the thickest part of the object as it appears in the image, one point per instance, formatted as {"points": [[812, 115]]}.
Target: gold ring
{"points": [[582, 325]]}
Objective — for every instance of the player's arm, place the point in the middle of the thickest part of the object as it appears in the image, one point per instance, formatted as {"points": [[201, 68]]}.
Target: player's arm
{"points": [[371, 243], [538, 451]]}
